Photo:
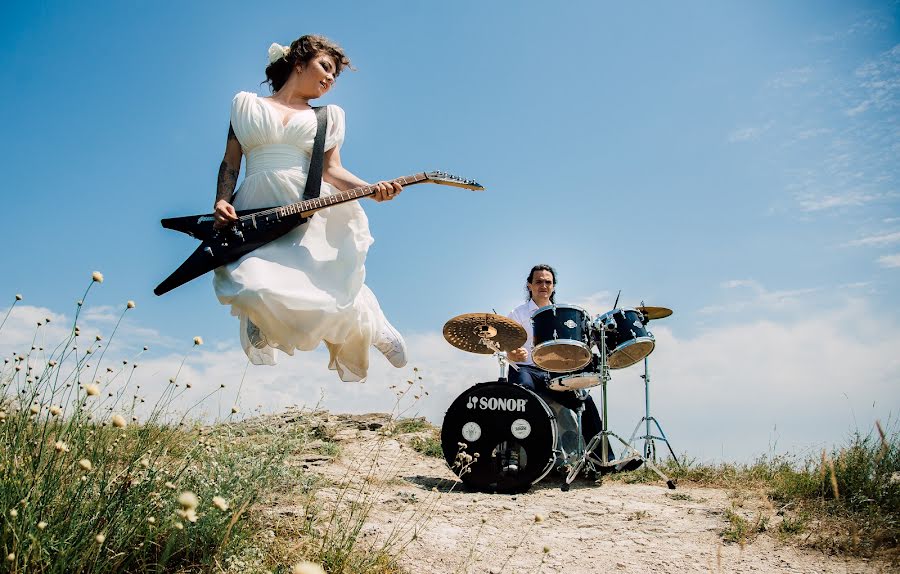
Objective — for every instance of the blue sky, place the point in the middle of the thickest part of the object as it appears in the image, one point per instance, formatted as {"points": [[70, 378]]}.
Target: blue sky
{"points": [[736, 162]]}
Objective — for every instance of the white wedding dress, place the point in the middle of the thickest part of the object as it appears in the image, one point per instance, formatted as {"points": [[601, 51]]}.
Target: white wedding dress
{"points": [[308, 285]]}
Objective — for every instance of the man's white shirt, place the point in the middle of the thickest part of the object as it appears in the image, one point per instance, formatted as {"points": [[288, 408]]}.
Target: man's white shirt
{"points": [[522, 316]]}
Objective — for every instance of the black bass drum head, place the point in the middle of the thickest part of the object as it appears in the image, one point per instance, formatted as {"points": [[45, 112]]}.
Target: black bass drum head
{"points": [[499, 437]]}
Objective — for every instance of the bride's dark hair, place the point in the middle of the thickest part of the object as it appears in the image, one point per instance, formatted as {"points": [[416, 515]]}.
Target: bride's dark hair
{"points": [[302, 50]]}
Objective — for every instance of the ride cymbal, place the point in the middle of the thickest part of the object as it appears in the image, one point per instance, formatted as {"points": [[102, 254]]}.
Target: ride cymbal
{"points": [[655, 312], [466, 332]]}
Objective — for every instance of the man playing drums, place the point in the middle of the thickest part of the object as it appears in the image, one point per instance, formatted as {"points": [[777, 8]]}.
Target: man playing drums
{"points": [[541, 287]]}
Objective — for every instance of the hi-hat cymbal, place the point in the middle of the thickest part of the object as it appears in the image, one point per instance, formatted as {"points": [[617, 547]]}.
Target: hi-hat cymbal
{"points": [[466, 332], [655, 312]]}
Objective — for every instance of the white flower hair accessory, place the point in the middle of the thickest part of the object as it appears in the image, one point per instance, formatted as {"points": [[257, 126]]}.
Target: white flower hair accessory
{"points": [[277, 52]]}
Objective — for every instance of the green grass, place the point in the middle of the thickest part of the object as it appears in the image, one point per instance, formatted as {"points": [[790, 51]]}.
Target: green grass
{"points": [[87, 487], [845, 501]]}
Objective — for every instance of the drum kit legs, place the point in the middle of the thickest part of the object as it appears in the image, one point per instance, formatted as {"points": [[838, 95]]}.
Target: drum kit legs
{"points": [[494, 422], [588, 457], [648, 437]]}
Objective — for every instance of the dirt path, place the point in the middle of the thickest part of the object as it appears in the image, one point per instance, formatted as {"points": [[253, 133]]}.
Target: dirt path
{"points": [[611, 527]]}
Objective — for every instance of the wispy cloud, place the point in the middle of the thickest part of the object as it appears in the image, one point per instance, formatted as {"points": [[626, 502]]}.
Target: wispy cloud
{"points": [[890, 261], [879, 83], [759, 297], [791, 78], [749, 133], [879, 240], [850, 198]]}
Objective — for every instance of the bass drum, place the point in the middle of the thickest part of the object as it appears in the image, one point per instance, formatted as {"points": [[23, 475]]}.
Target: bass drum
{"points": [[499, 437]]}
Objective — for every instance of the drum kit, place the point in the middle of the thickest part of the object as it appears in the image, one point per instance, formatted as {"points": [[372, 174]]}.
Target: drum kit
{"points": [[490, 420]]}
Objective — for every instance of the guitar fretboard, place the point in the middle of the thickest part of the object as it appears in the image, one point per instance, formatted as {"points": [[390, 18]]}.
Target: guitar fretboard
{"points": [[341, 197]]}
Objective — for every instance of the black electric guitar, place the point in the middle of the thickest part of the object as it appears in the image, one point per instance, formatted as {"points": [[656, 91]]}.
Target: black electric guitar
{"points": [[256, 227]]}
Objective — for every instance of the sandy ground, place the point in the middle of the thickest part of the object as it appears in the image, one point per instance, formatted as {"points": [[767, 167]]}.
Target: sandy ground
{"points": [[606, 527]]}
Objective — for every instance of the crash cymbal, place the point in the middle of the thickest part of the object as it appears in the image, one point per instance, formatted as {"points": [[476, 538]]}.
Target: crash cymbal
{"points": [[466, 331], [655, 312]]}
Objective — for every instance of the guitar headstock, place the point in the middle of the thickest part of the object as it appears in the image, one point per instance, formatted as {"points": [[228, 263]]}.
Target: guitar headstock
{"points": [[444, 178]]}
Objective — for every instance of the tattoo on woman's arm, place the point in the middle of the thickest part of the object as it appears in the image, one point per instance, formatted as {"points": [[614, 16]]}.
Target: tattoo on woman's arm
{"points": [[228, 175]]}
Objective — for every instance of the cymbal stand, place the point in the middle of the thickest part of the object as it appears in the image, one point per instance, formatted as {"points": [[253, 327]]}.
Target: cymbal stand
{"points": [[648, 437], [501, 357], [601, 439]]}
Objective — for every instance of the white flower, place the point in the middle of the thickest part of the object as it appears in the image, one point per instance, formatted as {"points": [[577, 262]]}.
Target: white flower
{"points": [[307, 568], [85, 464], [277, 52], [129, 305], [220, 503], [198, 340], [118, 421], [97, 276], [60, 446], [188, 500], [100, 538], [92, 390], [55, 410]]}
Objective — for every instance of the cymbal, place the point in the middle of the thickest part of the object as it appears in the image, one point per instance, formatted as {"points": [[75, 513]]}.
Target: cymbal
{"points": [[466, 331], [655, 312]]}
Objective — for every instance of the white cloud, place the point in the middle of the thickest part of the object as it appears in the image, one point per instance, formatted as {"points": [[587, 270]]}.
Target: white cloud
{"points": [[890, 261], [759, 298], [728, 392], [851, 198], [879, 240], [792, 78], [749, 133]]}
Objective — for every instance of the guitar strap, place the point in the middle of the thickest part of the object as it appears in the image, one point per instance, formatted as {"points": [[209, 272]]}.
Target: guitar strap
{"points": [[316, 161]]}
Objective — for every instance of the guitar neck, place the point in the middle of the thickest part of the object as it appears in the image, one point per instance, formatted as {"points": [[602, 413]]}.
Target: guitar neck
{"points": [[309, 206]]}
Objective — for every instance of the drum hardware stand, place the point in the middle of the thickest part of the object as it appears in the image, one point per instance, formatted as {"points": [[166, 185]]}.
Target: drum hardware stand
{"points": [[648, 438], [601, 439], [501, 357]]}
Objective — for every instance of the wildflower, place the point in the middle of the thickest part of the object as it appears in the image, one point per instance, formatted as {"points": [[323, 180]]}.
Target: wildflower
{"points": [[2, 415], [85, 464], [198, 340], [11, 556], [188, 514], [118, 421], [60, 446], [129, 305], [52, 363], [220, 503], [41, 525], [145, 463], [151, 520], [100, 538], [98, 338], [234, 410], [18, 297], [179, 526], [35, 409], [188, 500], [538, 518], [146, 347], [97, 276], [92, 390], [55, 410], [13, 513], [307, 568], [169, 485]]}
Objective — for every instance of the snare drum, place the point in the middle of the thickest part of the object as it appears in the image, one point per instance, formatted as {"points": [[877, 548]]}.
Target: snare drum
{"points": [[488, 421], [627, 339], [562, 342], [574, 381]]}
